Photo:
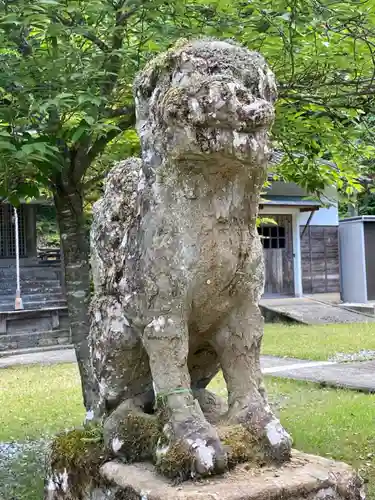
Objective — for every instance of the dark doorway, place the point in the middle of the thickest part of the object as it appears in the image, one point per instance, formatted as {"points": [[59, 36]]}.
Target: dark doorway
{"points": [[277, 241]]}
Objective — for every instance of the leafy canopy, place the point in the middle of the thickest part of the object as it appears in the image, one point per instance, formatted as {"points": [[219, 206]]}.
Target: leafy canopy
{"points": [[66, 71]]}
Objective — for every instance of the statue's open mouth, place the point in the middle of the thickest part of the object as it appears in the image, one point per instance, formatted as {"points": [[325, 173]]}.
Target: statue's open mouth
{"points": [[241, 129]]}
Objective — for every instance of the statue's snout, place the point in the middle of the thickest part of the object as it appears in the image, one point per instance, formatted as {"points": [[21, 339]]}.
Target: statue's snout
{"points": [[228, 104], [258, 113]]}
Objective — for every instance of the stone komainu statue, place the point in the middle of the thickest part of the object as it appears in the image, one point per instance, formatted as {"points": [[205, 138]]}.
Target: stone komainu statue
{"points": [[177, 263]]}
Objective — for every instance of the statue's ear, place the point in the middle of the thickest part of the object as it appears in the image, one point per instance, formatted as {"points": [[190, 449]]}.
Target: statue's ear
{"points": [[270, 90], [158, 68], [150, 77], [148, 81]]}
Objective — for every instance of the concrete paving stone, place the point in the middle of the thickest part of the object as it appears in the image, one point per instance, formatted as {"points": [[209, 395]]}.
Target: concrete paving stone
{"points": [[358, 375], [313, 312]]}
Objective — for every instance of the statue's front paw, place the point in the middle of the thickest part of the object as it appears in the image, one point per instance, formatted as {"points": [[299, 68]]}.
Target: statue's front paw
{"points": [[278, 440], [261, 422], [186, 451]]}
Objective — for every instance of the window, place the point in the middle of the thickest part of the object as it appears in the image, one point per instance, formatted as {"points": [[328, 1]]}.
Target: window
{"points": [[272, 237], [7, 236]]}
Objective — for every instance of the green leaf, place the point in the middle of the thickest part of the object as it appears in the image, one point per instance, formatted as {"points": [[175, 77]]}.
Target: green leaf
{"points": [[65, 95], [7, 146], [36, 147], [49, 2], [28, 190], [89, 119], [80, 131]]}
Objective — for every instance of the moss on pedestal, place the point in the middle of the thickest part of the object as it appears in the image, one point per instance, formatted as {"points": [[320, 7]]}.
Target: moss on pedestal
{"points": [[138, 434], [79, 454], [242, 446], [176, 462]]}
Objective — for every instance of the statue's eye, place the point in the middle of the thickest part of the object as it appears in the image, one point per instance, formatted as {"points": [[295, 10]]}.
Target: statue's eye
{"points": [[243, 95]]}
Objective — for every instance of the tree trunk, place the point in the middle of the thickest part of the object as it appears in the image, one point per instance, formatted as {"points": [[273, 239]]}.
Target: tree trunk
{"points": [[75, 247]]}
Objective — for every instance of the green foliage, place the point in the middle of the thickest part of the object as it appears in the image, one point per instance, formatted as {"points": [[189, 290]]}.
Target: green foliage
{"points": [[46, 226], [67, 70], [266, 221], [366, 202], [322, 54], [58, 87]]}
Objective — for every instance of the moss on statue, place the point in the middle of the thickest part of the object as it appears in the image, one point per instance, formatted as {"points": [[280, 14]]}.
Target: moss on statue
{"points": [[138, 434], [242, 446], [79, 453], [159, 64], [176, 462]]}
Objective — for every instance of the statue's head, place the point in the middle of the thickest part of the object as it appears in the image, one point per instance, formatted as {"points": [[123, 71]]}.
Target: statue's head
{"points": [[206, 99]]}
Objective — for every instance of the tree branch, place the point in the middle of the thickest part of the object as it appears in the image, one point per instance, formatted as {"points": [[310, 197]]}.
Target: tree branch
{"points": [[91, 182], [116, 112], [113, 64], [100, 144], [316, 84], [94, 39], [70, 23], [324, 100], [124, 16]]}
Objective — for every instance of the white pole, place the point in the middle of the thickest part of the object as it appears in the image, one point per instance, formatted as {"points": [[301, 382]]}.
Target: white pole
{"points": [[18, 304], [298, 286]]}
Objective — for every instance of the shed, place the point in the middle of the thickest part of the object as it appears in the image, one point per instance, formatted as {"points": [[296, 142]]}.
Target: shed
{"points": [[357, 262], [301, 253]]}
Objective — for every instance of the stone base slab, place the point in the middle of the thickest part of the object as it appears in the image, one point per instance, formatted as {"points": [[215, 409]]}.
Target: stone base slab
{"points": [[306, 477]]}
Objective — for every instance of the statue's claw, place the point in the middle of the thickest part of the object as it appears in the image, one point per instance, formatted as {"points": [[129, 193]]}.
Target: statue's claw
{"points": [[262, 423], [189, 449]]}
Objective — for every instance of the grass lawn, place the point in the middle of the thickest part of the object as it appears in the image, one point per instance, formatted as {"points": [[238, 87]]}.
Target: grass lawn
{"points": [[37, 401], [317, 342]]}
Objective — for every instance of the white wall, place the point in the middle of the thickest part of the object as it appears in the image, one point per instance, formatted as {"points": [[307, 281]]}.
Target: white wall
{"points": [[352, 262], [322, 217]]}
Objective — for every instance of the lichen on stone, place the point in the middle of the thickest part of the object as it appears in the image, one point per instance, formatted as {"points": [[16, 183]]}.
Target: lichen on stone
{"points": [[177, 261], [159, 64]]}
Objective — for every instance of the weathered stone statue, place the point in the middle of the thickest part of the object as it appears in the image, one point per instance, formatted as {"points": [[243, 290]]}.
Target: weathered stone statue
{"points": [[178, 273], [177, 260]]}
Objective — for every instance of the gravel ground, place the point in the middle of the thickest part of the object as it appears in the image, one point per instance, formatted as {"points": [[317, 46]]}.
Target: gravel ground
{"points": [[363, 355], [22, 468]]}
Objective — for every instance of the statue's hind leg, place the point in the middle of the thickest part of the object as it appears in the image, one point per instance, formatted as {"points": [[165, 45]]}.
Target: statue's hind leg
{"points": [[119, 359], [238, 346]]}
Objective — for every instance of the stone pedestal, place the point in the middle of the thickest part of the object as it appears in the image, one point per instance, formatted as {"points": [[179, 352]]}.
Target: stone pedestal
{"points": [[305, 477]]}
